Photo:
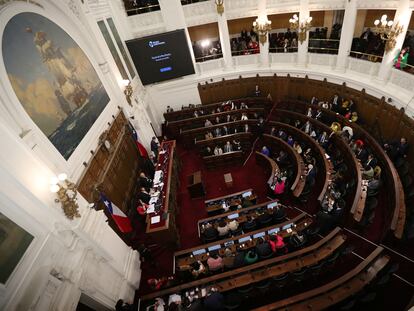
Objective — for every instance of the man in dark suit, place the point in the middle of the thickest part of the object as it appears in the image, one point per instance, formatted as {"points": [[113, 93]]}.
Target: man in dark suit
{"points": [[263, 248], [144, 196], [154, 146]]}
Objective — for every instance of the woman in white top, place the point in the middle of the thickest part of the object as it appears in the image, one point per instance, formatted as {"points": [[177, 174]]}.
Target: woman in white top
{"points": [[222, 228], [244, 117]]}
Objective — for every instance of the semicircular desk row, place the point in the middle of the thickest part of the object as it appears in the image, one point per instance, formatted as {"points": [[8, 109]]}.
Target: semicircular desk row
{"points": [[392, 182]]}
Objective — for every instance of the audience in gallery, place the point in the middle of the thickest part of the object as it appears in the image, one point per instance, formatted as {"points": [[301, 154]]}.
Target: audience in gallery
{"points": [[246, 44], [215, 262]]}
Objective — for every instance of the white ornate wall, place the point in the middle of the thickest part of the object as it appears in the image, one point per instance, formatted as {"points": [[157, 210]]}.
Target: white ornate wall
{"points": [[66, 258]]}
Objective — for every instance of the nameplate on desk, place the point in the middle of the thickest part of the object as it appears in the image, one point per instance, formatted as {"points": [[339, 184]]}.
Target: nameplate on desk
{"points": [[155, 220]]}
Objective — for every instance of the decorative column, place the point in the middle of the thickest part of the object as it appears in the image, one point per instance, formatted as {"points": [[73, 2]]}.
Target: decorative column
{"points": [[173, 15], [264, 47], [347, 34], [225, 40], [402, 17], [303, 47]]}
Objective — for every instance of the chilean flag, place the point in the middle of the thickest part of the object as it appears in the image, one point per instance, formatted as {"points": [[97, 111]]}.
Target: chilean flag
{"points": [[118, 216], [142, 151]]}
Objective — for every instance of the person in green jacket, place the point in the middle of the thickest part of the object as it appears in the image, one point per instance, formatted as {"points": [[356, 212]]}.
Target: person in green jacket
{"points": [[400, 61], [251, 257]]}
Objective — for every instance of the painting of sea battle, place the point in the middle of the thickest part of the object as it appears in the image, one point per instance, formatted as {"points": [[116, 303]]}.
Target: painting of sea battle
{"points": [[53, 79]]}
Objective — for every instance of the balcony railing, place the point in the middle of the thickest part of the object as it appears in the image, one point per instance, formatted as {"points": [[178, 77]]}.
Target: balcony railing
{"points": [[365, 56], [208, 57], [185, 2], [407, 68], [283, 49], [323, 46], [142, 9], [245, 52]]}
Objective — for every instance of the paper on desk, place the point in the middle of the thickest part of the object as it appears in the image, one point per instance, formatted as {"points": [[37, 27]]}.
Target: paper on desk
{"points": [[153, 200], [151, 209], [157, 176], [155, 220]]}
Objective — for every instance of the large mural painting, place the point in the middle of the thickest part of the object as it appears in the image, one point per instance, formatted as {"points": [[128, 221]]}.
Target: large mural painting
{"points": [[53, 79]]}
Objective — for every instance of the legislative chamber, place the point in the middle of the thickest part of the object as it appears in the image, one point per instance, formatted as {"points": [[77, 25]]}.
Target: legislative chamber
{"points": [[207, 155]]}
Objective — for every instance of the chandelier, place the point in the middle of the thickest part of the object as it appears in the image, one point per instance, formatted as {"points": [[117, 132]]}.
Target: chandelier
{"points": [[262, 26], [301, 27], [387, 31]]}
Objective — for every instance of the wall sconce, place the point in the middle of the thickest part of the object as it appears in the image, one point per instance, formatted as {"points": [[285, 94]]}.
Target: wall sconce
{"points": [[219, 6], [128, 91], [66, 194], [262, 26], [301, 27], [387, 31]]}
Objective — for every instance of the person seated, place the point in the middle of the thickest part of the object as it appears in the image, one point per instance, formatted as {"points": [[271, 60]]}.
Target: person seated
{"points": [[195, 114], [297, 124], [354, 117], [169, 109], [123, 306], [397, 150], [243, 106], [371, 161], [314, 100], [368, 172], [217, 132], [207, 152], [228, 260], [309, 113], [373, 186], [228, 147], [282, 159], [237, 145], [265, 151], [222, 228], [273, 131], [297, 147], [277, 244], [336, 127], [228, 118], [263, 248], [328, 204], [290, 141], [214, 301], [143, 195], [297, 239], [225, 130], [159, 283], [257, 91], [217, 120], [208, 123], [233, 225], [174, 299], [244, 117], [318, 114], [144, 181], [306, 127], [282, 135], [311, 173], [249, 224], [361, 153], [208, 135], [215, 262], [279, 187], [197, 269], [251, 257], [218, 150], [209, 232], [246, 202]]}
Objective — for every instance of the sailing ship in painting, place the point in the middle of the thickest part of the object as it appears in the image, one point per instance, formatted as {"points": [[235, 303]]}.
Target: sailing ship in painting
{"points": [[73, 94]]}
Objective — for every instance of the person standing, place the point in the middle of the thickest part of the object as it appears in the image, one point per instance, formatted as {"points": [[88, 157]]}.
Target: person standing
{"points": [[154, 146]]}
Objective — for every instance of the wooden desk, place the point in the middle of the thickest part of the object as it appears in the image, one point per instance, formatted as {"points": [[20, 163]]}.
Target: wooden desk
{"points": [[300, 169], [392, 181], [195, 185], [165, 230], [336, 291], [185, 257], [246, 141], [214, 205], [242, 215], [275, 266]]}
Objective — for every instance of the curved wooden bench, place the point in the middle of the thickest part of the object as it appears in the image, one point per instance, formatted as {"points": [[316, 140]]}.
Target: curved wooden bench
{"points": [[193, 135], [188, 113], [358, 204], [265, 269], [214, 204], [274, 168], [393, 181], [243, 213], [300, 178], [246, 140], [226, 159], [318, 150], [175, 127], [334, 292]]}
